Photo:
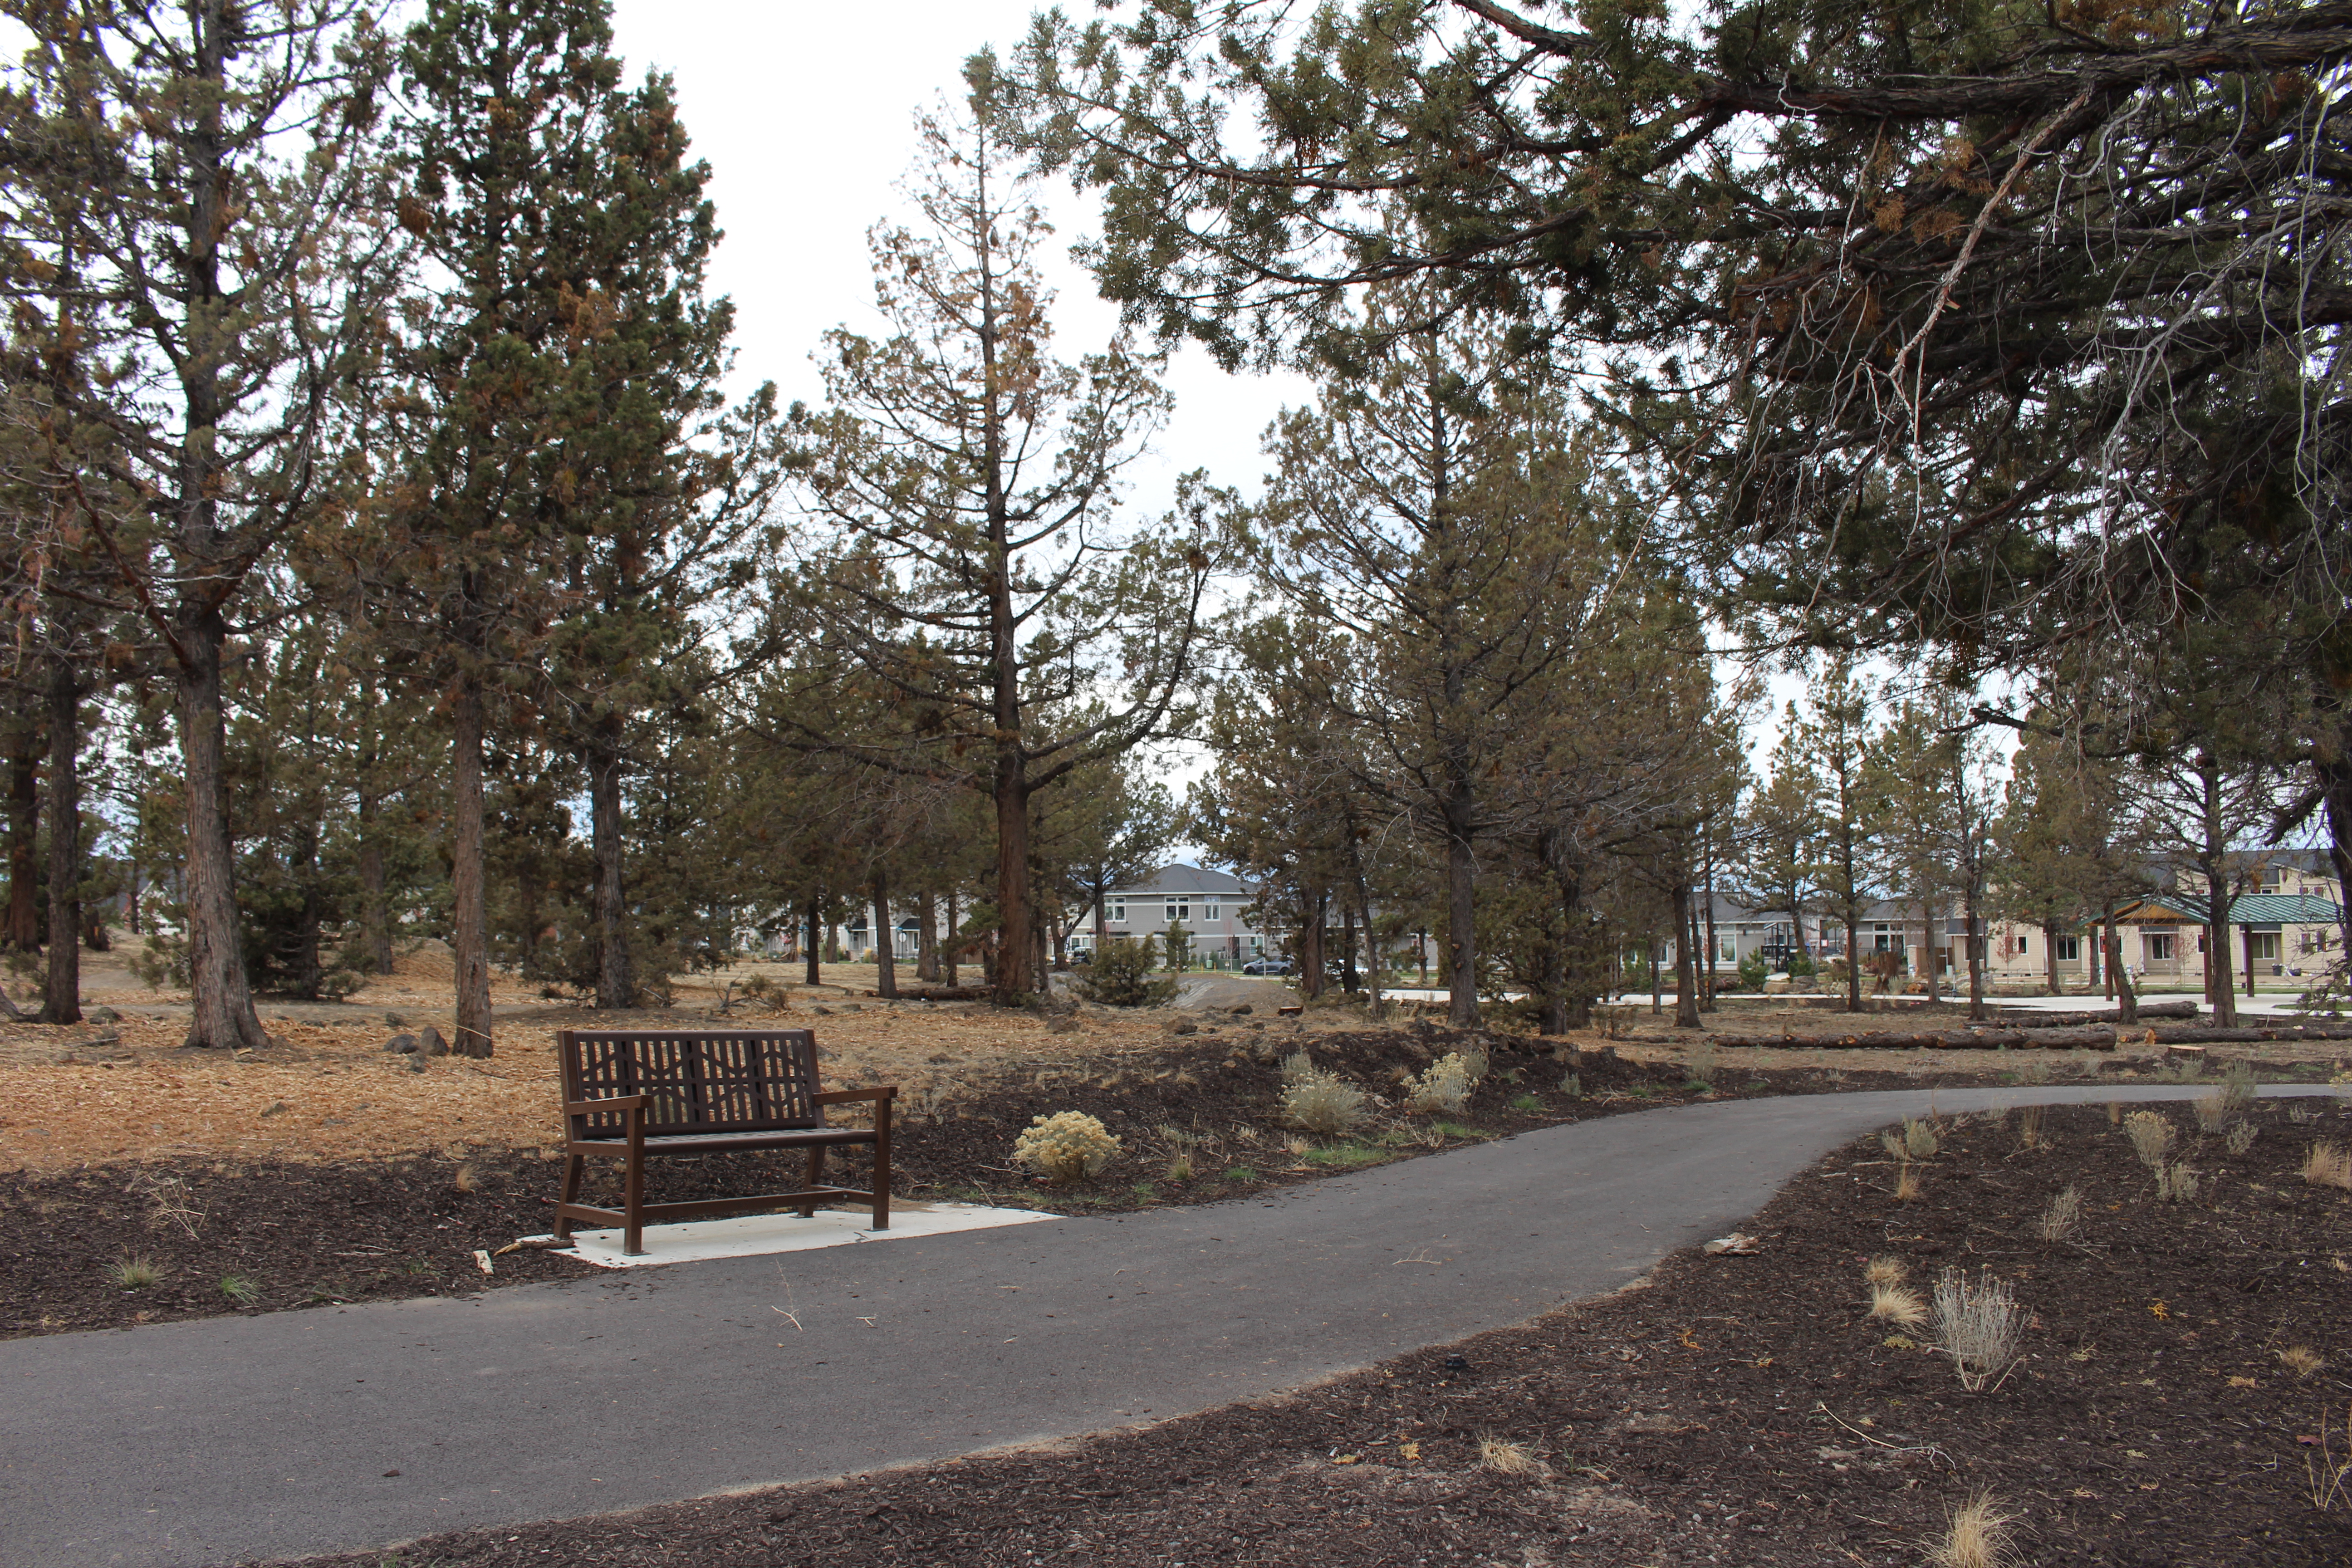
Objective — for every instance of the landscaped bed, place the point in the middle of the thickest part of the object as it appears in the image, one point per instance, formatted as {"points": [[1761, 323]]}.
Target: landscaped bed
{"points": [[1199, 1118], [2179, 1398]]}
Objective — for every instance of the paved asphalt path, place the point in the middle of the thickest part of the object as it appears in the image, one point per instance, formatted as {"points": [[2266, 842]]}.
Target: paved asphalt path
{"points": [[309, 1431]]}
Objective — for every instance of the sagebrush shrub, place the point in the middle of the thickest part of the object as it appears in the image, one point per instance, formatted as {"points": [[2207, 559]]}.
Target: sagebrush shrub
{"points": [[2059, 1220], [2151, 1137], [1067, 1146], [2240, 1138], [1323, 1103], [1444, 1089], [1978, 1324]]}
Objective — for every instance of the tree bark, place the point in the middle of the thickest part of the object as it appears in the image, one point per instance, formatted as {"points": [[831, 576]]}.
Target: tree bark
{"points": [[61, 1002], [308, 970], [24, 925], [885, 956], [616, 983], [1014, 980], [1685, 960], [1314, 902], [815, 952], [469, 919], [1461, 904], [1348, 975], [2221, 992], [955, 929], [220, 999], [926, 939], [375, 905], [2049, 957]]}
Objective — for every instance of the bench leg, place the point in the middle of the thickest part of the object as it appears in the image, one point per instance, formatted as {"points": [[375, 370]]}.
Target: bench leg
{"points": [[633, 1237], [882, 1167], [816, 1178], [573, 1166]]}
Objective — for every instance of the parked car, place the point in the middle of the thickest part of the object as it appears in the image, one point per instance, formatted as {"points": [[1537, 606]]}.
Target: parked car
{"points": [[1269, 966]]}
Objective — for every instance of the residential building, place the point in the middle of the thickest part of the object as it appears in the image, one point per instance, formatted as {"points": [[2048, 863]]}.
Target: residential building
{"points": [[1208, 904]]}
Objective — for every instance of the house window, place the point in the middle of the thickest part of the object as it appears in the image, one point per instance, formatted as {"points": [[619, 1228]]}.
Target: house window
{"points": [[2159, 946], [2025, 944], [1179, 910], [2262, 946], [1118, 912], [2070, 949], [1209, 911]]}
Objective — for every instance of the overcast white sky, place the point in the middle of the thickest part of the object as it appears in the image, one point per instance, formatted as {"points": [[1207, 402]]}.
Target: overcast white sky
{"points": [[805, 113]]}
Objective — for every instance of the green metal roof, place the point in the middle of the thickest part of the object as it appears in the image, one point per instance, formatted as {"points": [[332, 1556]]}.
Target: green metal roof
{"points": [[2281, 909]]}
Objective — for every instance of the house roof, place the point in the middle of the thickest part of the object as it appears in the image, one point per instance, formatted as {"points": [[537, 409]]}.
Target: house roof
{"points": [[2246, 910], [2282, 909], [1177, 877]]}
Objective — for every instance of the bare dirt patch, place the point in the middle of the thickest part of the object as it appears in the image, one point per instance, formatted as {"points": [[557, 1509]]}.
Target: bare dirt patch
{"points": [[2179, 1363]]}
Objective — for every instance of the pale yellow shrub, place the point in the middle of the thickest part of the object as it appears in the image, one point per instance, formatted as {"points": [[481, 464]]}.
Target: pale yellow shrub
{"points": [[1067, 1146]]}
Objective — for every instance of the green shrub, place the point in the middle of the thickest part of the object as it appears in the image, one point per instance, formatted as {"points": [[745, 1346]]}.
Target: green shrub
{"points": [[1801, 965], [1120, 976], [1753, 971]]}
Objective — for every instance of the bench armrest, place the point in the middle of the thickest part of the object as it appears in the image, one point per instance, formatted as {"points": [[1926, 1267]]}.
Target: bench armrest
{"points": [[613, 1103], [843, 1096]]}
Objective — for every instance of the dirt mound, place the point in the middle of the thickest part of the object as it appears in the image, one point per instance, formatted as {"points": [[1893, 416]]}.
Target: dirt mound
{"points": [[429, 959]]}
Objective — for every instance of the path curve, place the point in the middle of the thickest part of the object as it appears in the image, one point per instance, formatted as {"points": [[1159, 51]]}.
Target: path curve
{"points": [[313, 1431]]}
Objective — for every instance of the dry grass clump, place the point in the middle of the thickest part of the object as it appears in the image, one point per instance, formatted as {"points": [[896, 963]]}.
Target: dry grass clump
{"points": [[1067, 1146], [2177, 1184], [1978, 1324], [134, 1273], [2301, 1360], [1908, 1187], [2151, 1137], [1978, 1534], [467, 1179], [2029, 1127], [1897, 1304], [2058, 1221], [1917, 1140], [2239, 1089], [1297, 1066], [1699, 1060], [1444, 1089], [1883, 1270], [1506, 1457], [2327, 1165], [1323, 1103]]}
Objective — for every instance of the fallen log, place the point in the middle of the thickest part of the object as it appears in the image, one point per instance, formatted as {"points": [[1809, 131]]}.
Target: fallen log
{"points": [[2207, 1034], [2023, 1018], [2092, 1039]]}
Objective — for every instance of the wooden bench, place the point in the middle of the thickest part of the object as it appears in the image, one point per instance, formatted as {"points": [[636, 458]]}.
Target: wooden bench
{"points": [[631, 1094]]}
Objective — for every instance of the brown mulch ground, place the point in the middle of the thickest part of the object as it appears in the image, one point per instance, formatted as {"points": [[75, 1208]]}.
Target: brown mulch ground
{"points": [[298, 1232], [1729, 1409]]}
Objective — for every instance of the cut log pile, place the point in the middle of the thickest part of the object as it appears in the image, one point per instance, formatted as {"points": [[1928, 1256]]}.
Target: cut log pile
{"points": [[2082, 1037], [2097, 1037], [2020, 1018]]}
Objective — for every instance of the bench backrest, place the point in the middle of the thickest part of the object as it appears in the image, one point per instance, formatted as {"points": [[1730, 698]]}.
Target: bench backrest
{"points": [[700, 1080]]}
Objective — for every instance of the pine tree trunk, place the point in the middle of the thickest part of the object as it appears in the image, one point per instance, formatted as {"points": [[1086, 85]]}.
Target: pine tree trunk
{"points": [[1347, 947], [816, 937], [1013, 980], [61, 1003], [2221, 992], [926, 939], [1461, 904], [308, 970], [886, 940], [1685, 960], [469, 918], [2049, 957], [616, 980], [220, 997], [1314, 902], [24, 924], [375, 903]]}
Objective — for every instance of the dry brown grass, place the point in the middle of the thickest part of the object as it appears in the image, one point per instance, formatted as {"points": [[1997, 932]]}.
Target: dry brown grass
{"points": [[1908, 1186], [1506, 1457], [2058, 1221], [2327, 1165], [467, 1179], [1897, 1304], [1886, 1271], [1979, 1533], [2301, 1360]]}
